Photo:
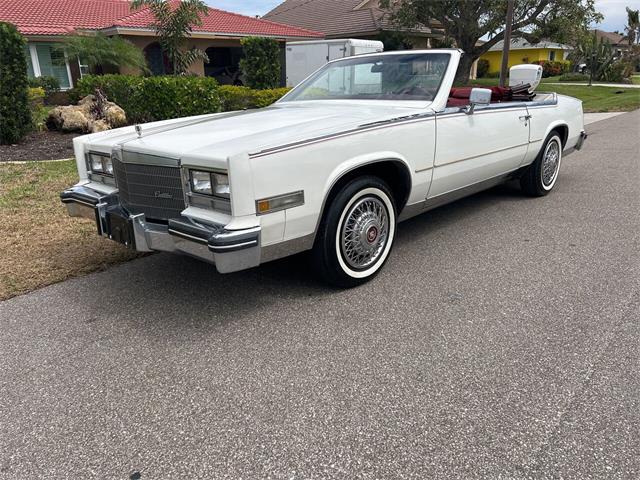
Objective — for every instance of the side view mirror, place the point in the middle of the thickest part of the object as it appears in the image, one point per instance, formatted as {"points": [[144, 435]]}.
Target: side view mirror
{"points": [[479, 96]]}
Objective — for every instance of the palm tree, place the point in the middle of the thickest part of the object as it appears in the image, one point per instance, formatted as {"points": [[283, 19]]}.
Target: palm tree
{"points": [[101, 51], [633, 26], [174, 22]]}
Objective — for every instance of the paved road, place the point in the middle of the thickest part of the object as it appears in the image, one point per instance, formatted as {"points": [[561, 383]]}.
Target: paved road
{"points": [[501, 341]]}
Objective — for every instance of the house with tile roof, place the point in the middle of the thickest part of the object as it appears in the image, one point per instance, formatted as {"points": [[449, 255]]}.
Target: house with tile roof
{"points": [[619, 42], [46, 22], [349, 19]]}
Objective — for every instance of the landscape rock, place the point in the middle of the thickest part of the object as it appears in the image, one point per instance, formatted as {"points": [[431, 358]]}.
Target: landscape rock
{"points": [[87, 116]]}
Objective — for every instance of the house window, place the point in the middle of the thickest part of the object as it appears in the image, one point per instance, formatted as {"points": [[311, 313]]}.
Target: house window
{"points": [[552, 55], [48, 60], [157, 59]]}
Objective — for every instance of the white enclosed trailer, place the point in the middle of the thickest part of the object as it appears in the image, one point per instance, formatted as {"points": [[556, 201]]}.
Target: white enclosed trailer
{"points": [[304, 58]]}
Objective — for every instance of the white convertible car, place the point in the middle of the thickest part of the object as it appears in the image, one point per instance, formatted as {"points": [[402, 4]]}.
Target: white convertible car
{"points": [[332, 167]]}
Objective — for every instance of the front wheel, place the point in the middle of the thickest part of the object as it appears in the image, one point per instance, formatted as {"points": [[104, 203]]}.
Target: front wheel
{"points": [[539, 179], [357, 233]]}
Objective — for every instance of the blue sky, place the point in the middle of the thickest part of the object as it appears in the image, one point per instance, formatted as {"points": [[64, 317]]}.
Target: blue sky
{"points": [[613, 10]]}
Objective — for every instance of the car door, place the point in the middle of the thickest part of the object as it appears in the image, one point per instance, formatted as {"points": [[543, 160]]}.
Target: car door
{"points": [[471, 149]]}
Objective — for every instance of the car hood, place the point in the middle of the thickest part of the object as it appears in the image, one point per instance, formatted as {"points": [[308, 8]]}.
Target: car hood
{"points": [[220, 136]]}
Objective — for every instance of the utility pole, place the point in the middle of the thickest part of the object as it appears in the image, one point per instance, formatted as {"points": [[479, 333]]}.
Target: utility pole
{"points": [[507, 44]]}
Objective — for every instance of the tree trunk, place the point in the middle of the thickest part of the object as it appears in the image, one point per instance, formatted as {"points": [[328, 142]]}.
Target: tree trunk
{"points": [[464, 69]]}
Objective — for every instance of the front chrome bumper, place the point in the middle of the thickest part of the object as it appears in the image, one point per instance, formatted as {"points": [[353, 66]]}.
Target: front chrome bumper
{"points": [[229, 250]]}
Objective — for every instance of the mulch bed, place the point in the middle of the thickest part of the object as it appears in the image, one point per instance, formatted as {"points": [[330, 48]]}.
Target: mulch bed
{"points": [[40, 146]]}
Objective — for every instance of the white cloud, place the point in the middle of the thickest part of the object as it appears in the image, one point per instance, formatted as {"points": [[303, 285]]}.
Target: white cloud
{"points": [[615, 13]]}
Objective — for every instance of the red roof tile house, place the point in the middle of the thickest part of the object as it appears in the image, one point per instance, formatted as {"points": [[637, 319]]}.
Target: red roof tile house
{"points": [[46, 22]]}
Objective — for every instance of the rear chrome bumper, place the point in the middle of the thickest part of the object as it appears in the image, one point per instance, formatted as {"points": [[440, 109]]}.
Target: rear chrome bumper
{"points": [[229, 250]]}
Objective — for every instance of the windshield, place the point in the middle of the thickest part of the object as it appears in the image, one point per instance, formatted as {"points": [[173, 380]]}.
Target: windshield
{"points": [[376, 77]]}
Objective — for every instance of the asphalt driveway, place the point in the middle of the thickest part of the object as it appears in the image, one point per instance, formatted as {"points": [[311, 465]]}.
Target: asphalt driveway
{"points": [[502, 340]]}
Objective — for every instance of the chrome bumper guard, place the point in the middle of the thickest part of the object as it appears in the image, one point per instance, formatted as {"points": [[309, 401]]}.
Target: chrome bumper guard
{"points": [[583, 137], [229, 250]]}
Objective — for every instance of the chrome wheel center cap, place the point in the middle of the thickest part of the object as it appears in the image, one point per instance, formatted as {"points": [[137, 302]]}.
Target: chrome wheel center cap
{"points": [[372, 234]]}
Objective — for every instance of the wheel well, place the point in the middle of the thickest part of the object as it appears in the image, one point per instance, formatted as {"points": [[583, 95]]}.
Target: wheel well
{"points": [[563, 131], [393, 172]]}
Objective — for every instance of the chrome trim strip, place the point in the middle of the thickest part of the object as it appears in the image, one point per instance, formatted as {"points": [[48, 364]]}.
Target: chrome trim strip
{"points": [[362, 128], [75, 200], [278, 250], [251, 243], [147, 159], [186, 235]]}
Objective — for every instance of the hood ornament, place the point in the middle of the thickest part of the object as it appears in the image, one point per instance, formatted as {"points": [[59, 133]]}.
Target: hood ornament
{"points": [[138, 130]]}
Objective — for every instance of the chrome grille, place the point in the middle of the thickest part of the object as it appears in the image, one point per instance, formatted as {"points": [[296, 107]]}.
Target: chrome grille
{"points": [[154, 190]]}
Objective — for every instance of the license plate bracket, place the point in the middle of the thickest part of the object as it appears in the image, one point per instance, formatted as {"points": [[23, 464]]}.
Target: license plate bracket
{"points": [[120, 228]]}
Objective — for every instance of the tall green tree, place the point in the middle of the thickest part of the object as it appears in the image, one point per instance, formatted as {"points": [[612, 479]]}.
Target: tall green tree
{"points": [[15, 116], [101, 51], [468, 21], [174, 22]]}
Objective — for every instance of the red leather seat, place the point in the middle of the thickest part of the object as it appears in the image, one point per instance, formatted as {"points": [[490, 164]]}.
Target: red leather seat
{"points": [[459, 96]]}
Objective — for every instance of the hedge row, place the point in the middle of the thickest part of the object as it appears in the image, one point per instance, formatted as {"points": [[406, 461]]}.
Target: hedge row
{"points": [[147, 99]]}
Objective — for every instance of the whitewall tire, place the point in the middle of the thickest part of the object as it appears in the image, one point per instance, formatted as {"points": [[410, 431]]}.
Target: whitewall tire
{"points": [[357, 233]]}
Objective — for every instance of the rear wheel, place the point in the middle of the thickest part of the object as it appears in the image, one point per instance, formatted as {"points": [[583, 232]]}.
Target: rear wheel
{"points": [[357, 233], [540, 178]]}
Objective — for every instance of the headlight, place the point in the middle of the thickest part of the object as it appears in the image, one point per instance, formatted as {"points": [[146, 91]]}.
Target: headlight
{"points": [[210, 183], [99, 163]]}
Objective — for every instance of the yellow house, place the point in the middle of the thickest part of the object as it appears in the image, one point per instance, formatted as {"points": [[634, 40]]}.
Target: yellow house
{"points": [[522, 51]]}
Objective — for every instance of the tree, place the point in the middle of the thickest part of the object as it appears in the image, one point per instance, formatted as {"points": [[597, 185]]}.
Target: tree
{"points": [[261, 62], [468, 21], [633, 26], [15, 116], [101, 51], [174, 22]]}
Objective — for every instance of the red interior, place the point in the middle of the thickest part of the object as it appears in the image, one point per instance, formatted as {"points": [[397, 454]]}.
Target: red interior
{"points": [[459, 97]]}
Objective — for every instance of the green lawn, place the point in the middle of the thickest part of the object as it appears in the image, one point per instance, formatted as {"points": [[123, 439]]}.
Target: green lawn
{"points": [[595, 99], [636, 79]]}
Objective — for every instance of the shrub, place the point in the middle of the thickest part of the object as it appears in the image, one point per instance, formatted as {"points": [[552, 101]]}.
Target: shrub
{"points": [[240, 98], [37, 108], [574, 77], [147, 99], [15, 116], [614, 72], [552, 69], [492, 75], [261, 62], [50, 85], [483, 67]]}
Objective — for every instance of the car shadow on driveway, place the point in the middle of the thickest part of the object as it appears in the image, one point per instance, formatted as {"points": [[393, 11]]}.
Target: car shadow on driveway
{"points": [[181, 292]]}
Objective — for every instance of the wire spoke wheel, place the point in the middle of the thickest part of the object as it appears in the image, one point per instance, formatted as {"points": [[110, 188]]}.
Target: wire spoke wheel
{"points": [[365, 232], [550, 164]]}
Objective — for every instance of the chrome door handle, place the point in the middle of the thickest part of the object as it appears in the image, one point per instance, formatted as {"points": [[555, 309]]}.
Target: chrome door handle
{"points": [[526, 119]]}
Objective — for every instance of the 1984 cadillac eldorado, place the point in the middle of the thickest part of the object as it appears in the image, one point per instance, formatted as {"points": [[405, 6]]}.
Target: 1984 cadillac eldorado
{"points": [[332, 167]]}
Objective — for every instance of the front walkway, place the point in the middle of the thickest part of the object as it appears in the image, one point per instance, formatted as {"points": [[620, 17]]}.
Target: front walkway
{"points": [[612, 85]]}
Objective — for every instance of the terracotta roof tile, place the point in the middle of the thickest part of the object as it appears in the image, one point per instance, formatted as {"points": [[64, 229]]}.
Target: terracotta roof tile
{"points": [[335, 17], [61, 17]]}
